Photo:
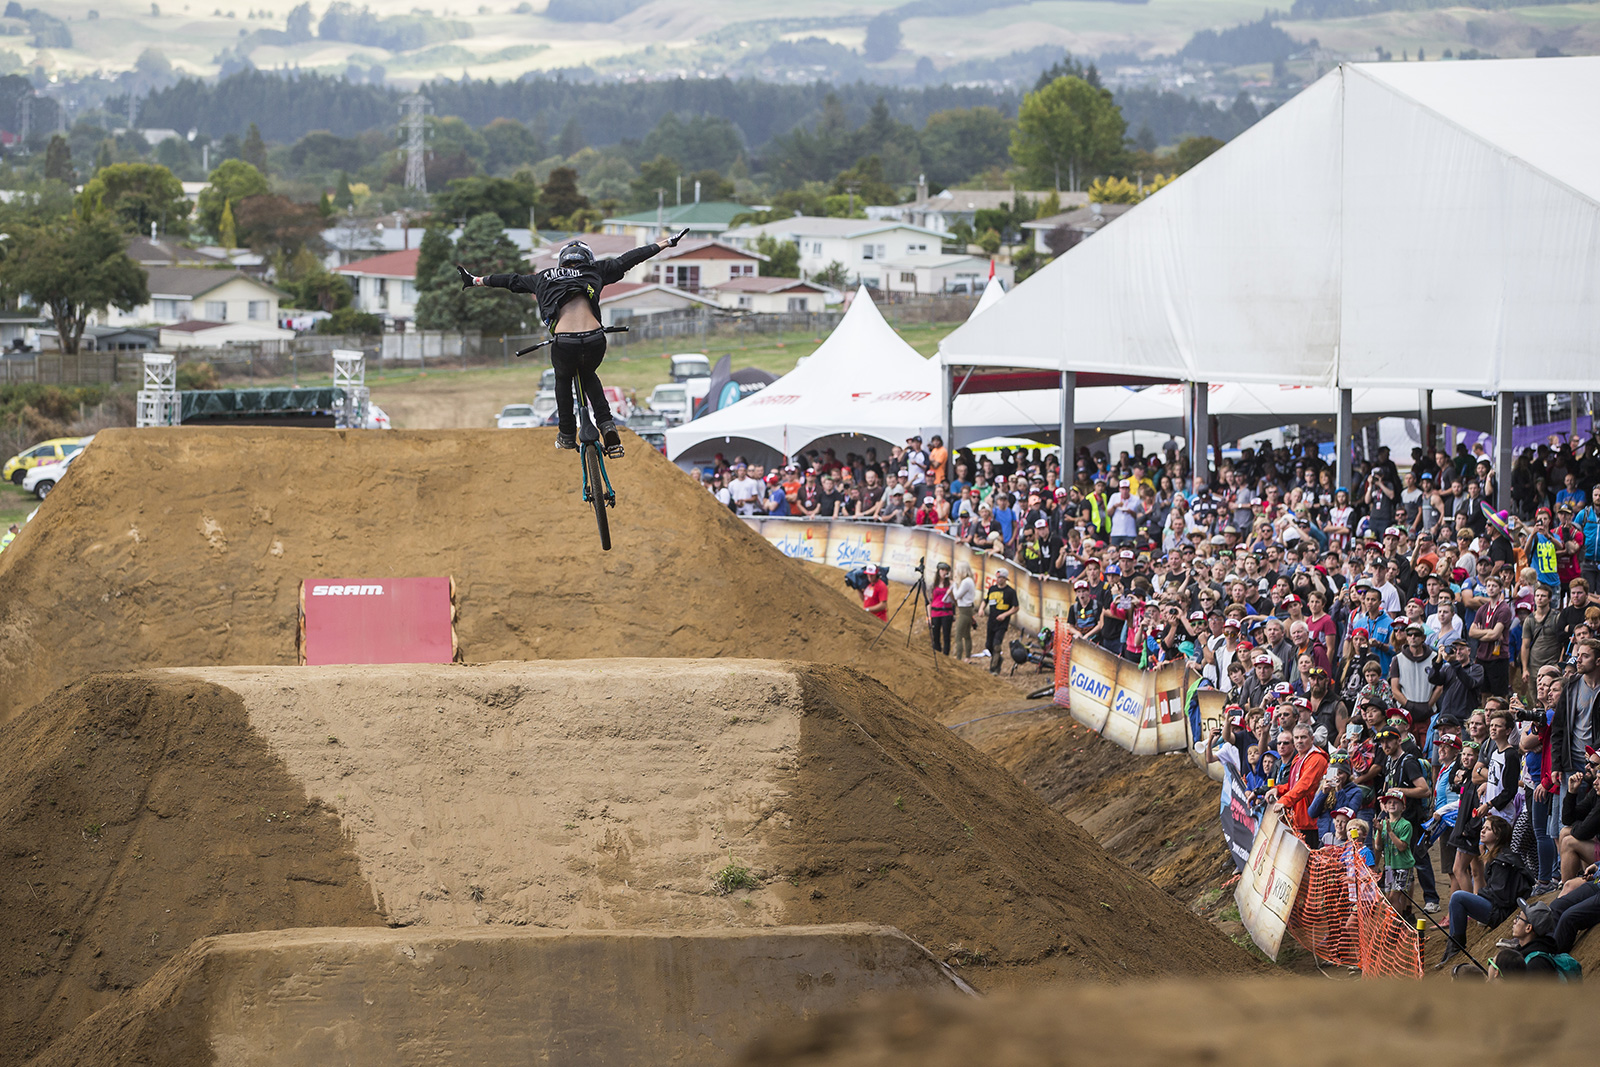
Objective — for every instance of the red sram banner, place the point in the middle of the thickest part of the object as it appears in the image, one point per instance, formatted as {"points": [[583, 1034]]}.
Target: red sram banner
{"points": [[377, 620]]}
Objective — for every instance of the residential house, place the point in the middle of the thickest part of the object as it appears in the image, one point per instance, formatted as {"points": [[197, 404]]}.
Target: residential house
{"points": [[385, 285], [178, 294], [863, 246], [19, 330], [698, 264], [352, 239], [769, 295], [1073, 225], [160, 252], [627, 300], [947, 274], [199, 334], [941, 211], [704, 220], [102, 339]]}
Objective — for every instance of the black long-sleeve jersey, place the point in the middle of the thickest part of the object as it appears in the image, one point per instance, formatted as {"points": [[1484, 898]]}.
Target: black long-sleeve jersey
{"points": [[555, 286]]}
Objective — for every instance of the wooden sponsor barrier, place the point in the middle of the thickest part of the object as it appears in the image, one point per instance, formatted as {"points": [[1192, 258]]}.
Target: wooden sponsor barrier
{"points": [[1270, 883], [377, 620], [848, 544], [1211, 702], [1142, 711]]}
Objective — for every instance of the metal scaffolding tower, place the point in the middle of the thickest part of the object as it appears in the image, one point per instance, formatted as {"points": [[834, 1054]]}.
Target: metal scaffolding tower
{"points": [[158, 402], [414, 110], [350, 375]]}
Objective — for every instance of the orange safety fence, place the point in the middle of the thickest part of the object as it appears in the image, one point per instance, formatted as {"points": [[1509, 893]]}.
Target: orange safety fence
{"points": [[1061, 652], [1342, 917]]}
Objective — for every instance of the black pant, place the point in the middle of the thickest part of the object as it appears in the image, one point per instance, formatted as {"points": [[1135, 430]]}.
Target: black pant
{"points": [[996, 643], [940, 628], [1575, 913], [579, 354], [1497, 677]]}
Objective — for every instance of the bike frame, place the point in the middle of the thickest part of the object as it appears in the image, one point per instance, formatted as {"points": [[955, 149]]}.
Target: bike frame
{"points": [[589, 437]]}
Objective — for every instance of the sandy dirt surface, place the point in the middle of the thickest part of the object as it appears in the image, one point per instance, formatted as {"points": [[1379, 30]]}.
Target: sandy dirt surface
{"points": [[1192, 1024], [136, 815], [612, 794], [185, 547], [389, 998]]}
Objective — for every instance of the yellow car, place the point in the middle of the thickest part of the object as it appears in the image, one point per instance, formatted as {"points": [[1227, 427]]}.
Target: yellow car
{"points": [[52, 451]]}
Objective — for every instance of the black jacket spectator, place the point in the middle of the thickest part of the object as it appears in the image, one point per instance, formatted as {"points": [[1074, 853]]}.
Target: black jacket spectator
{"points": [[1581, 811], [1461, 682]]}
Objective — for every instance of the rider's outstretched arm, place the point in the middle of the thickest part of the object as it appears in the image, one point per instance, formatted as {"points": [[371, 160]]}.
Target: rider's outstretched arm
{"points": [[612, 269], [517, 283]]}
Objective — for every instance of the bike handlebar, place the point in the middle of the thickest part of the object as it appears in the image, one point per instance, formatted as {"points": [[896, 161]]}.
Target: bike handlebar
{"points": [[534, 348]]}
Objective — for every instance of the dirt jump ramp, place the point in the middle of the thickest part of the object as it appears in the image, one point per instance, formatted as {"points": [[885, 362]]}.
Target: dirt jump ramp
{"points": [[394, 998], [185, 547], [148, 810]]}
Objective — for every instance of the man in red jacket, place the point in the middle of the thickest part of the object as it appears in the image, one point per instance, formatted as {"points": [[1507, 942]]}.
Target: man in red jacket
{"points": [[1310, 764], [875, 597]]}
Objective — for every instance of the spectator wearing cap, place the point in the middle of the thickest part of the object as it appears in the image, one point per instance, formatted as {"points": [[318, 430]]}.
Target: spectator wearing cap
{"points": [[1002, 603], [1532, 945], [1408, 678], [875, 595], [1125, 511], [1305, 778], [1569, 561], [1458, 679], [928, 512], [1036, 551], [1444, 625], [1405, 776], [1259, 682]]}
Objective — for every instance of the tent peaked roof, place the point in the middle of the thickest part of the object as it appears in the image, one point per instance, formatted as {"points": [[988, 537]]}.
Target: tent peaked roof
{"points": [[1394, 225], [991, 296], [864, 379]]}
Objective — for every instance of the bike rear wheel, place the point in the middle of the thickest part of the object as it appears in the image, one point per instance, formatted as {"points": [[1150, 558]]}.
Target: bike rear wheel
{"points": [[597, 493]]}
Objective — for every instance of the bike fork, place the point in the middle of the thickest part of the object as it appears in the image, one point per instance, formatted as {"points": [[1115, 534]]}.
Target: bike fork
{"points": [[588, 490]]}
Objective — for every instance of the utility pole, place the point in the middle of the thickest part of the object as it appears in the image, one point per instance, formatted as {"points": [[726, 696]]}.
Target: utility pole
{"points": [[414, 110]]}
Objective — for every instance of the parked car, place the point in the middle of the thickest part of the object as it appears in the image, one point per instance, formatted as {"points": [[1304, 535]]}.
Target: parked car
{"points": [[547, 380], [52, 451], [518, 417], [651, 427], [671, 400], [43, 478], [687, 365]]}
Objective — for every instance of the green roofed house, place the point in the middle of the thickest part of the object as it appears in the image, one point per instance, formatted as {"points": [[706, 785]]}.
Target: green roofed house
{"points": [[704, 219]]}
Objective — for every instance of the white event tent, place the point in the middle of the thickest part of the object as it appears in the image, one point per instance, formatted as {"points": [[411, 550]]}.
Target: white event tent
{"points": [[1240, 410], [864, 381], [1395, 225]]}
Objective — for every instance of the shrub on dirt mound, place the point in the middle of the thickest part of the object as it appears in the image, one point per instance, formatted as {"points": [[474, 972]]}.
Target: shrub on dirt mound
{"points": [[139, 816], [185, 547], [1179, 1024]]}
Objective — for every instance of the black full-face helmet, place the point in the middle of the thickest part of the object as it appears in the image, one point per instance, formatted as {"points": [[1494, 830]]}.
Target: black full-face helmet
{"points": [[576, 254]]}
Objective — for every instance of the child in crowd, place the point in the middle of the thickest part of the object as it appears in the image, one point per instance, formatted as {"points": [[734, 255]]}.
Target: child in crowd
{"points": [[1399, 865]]}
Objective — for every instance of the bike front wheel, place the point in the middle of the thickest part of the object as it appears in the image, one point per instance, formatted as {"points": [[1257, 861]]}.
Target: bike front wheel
{"points": [[597, 481]]}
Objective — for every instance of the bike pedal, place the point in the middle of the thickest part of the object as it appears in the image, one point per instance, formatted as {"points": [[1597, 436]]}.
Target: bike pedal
{"points": [[614, 452]]}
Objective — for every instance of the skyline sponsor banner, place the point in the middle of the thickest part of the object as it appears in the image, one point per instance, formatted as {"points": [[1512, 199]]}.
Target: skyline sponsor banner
{"points": [[1270, 882], [854, 545], [805, 539], [847, 544]]}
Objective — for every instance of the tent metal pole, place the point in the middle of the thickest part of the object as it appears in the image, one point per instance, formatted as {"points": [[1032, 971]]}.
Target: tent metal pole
{"points": [[1502, 449], [947, 409], [1200, 446], [1342, 435], [1425, 418], [1068, 424]]}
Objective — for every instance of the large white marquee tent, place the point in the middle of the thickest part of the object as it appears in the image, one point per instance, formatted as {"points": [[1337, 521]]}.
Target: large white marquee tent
{"points": [[1395, 225]]}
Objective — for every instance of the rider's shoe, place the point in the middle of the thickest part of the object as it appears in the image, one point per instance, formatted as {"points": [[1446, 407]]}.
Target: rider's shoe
{"points": [[566, 440], [611, 439]]}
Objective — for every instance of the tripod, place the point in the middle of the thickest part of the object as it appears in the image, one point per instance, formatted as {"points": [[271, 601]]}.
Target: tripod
{"points": [[918, 591]]}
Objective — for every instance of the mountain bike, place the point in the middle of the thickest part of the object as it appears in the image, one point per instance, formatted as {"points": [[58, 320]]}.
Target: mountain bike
{"points": [[590, 452]]}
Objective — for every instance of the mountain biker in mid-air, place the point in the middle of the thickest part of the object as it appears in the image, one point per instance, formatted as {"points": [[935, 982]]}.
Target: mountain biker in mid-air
{"points": [[579, 343]]}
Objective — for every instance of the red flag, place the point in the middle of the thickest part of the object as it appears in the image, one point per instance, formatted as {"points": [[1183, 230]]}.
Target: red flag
{"points": [[991, 266]]}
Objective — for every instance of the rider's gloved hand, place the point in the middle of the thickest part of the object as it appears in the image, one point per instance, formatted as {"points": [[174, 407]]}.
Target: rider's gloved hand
{"points": [[675, 238], [467, 280]]}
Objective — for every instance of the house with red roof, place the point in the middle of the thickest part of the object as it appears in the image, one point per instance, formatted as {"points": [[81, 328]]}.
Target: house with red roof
{"points": [[386, 285], [697, 265]]}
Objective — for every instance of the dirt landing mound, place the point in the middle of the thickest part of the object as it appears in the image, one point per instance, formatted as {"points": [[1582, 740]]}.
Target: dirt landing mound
{"points": [[377, 998], [140, 814], [1174, 1024], [184, 547], [637, 793]]}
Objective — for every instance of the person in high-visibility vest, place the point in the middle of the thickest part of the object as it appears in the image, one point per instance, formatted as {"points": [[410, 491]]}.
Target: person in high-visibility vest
{"points": [[8, 537]]}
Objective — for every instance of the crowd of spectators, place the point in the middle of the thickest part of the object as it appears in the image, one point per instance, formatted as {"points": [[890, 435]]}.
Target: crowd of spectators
{"points": [[1403, 662]]}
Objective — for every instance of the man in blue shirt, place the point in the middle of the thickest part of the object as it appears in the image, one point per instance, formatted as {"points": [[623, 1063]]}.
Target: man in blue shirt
{"points": [[1373, 619], [1571, 494], [1588, 520]]}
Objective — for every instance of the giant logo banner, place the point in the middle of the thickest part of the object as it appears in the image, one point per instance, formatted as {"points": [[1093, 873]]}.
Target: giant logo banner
{"points": [[1270, 883], [1142, 711]]}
